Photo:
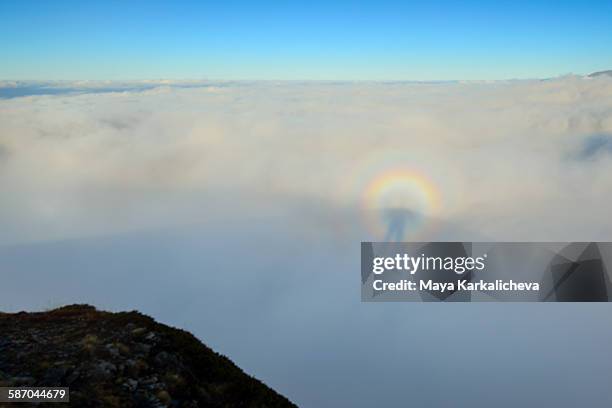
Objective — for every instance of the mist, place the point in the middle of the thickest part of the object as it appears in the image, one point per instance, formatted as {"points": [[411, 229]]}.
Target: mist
{"points": [[235, 210]]}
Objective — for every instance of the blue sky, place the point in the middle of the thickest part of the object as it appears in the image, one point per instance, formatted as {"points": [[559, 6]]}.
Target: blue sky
{"points": [[380, 40]]}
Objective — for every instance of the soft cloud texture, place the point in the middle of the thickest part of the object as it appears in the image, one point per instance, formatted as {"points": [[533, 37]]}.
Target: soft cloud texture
{"points": [[512, 160], [233, 210]]}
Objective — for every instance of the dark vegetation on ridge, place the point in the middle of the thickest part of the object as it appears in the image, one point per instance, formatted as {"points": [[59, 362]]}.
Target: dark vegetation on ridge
{"points": [[122, 360]]}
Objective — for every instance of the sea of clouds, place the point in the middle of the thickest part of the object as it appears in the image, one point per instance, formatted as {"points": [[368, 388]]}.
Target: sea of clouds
{"points": [[511, 160], [233, 210]]}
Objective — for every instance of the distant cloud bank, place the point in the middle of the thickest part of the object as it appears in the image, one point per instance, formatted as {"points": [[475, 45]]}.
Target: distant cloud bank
{"points": [[511, 160]]}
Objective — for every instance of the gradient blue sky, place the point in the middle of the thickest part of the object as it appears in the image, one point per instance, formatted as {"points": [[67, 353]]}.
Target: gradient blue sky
{"points": [[380, 40]]}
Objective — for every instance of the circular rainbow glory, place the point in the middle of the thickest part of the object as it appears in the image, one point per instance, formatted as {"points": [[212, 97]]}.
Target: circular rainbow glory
{"points": [[397, 203]]}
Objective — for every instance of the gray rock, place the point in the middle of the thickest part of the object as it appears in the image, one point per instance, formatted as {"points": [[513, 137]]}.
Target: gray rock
{"points": [[142, 348], [114, 351], [163, 359], [73, 376], [131, 384], [55, 375], [104, 370], [22, 381]]}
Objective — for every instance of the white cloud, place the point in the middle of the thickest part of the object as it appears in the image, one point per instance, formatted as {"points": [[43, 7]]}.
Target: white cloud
{"points": [[504, 155]]}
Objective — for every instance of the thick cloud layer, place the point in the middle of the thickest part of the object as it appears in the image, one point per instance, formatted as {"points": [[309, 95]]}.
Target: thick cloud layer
{"points": [[234, 210], [511, 160]]}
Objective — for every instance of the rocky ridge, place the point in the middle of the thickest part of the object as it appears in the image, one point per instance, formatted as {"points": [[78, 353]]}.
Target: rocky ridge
{"points": [[122, 360]]}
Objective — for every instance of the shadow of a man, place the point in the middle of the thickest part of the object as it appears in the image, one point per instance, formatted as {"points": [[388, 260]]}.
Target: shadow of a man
{"points": [[397, 221]]}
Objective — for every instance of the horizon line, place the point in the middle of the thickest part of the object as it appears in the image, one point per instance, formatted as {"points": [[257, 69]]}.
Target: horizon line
{"points": [[201, 79]]}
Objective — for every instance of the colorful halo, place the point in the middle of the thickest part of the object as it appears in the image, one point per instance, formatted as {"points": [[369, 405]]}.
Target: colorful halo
{"points": [[398, 203]]}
